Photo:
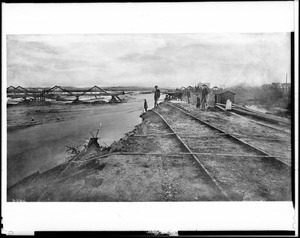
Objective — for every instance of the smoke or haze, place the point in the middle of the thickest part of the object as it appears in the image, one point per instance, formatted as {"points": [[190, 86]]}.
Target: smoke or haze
{"points": [[167, 60]]}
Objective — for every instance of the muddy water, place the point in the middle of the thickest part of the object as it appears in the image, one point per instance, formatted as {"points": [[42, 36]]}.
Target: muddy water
{"points": [[42, 147]]}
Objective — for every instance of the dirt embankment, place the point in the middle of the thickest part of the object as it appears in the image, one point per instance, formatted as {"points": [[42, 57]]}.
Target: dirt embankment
{"points": [[139, 168], [94, 175]]}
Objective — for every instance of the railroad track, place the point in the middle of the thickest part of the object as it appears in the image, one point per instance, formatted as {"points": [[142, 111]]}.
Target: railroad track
{"points": [[180, 121], [237, 140], [254, 142], [196, 159], [254, 121]]}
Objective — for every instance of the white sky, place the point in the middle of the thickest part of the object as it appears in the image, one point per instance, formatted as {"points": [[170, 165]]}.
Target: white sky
{"points": [[167, 60]]}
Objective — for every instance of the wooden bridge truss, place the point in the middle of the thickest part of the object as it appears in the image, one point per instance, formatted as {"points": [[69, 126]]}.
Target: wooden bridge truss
{"points": [[58, 91]]}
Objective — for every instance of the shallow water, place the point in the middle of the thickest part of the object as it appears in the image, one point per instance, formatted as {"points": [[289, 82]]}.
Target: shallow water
{"points": [[42, 147]]}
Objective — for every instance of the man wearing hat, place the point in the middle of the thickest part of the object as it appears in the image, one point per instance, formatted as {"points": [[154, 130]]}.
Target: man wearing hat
{"points": [[156, 96], [204, 92]]}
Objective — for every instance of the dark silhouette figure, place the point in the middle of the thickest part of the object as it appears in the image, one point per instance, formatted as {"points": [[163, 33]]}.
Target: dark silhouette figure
{"points": [[205, 91], [188, 95], [145, 105], [198, 102], [156, 96]]}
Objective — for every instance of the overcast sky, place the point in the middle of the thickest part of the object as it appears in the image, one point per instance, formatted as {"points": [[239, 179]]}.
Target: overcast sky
{"points": [[167, 60]]}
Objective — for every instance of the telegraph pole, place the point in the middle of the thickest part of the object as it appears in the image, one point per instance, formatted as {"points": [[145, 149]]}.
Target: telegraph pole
{"points": [[286, 81]]}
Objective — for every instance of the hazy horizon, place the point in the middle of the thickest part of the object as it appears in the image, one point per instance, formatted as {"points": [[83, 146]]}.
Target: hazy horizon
{"points": [[145, 60]]}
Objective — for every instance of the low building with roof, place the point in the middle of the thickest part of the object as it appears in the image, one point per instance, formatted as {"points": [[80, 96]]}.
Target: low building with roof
{"points": [[222, 96]]}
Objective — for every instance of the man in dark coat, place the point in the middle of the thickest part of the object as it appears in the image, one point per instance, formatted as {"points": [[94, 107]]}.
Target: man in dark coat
{"points": [[204, 92], [145, 105], [156, 96], [198, 101], [188, 95]]}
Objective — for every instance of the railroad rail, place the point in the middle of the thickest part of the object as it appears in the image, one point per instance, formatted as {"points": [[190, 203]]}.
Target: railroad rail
{"points": [[195, 158], [238, 140], [269, 117], [254, 121], [192, 148]]}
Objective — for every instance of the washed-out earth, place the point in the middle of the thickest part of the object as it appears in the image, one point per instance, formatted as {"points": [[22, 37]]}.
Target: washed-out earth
{"points": [[245, 159], [38, 136]]}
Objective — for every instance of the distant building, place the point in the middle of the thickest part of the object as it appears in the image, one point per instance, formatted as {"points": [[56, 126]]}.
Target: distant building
{"points": [[286, 86], [200, 84], [283, 86], [222, 96], [215, 88], [265, 85], [277, 85]]}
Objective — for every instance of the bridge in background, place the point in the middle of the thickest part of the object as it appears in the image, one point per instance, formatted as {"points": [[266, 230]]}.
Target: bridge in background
{"points": [[58, 92]]}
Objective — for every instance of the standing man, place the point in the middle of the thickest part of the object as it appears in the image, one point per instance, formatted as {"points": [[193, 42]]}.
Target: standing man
{"points": [[198, 101], [145, 105], [204, 93], [156, 96], [188, 94]]}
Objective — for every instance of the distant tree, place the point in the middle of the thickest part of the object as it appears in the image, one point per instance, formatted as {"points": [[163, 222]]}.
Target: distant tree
{"points": [[243, 93], [271, 95], [289, 100], [268, 95]]}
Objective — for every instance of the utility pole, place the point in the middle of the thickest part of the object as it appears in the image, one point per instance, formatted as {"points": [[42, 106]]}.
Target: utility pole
{"points": [[286, 81]]}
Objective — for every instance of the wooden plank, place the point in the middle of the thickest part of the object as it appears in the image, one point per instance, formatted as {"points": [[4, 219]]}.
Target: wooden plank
{"points": [[193, 153], [259, 123], [182, 135], [263, 124], [267, 116]]}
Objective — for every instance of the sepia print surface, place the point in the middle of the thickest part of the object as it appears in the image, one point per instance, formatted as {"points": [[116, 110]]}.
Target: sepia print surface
{"points": [[149, 117]]}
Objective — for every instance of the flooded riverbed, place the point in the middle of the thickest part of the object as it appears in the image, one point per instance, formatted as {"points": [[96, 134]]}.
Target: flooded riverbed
{"points": [[41, 147]]}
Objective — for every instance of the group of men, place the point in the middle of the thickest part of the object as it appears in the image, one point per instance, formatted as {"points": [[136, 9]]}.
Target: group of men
{"points": [[204, 92], [200, 102]]}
